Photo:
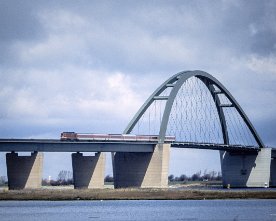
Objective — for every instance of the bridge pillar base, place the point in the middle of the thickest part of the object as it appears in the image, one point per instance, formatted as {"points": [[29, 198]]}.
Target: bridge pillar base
{"points": [[24, 172], [246, 170], [88, 171], [145, 170]]}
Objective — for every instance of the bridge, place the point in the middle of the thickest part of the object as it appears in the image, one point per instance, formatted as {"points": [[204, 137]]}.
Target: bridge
{"points": [[194, 107], [55, 145]]}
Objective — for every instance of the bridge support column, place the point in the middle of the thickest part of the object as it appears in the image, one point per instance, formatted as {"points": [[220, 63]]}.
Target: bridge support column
{"points": [[273, 169], [24, 171], [146, 170], [246, 170], [88, 171]]}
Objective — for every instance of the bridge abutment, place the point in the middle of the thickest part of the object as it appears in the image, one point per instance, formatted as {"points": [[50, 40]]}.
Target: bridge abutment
{"points": [[146, 170], [246, 170], [88, 171], [24, 172]]}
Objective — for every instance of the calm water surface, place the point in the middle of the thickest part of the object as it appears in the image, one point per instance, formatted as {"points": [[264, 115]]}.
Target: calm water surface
{"points": [[139, 210]]}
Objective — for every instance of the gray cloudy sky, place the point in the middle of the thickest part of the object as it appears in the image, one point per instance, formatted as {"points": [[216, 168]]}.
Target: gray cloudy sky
{"points": [[88, 65]]}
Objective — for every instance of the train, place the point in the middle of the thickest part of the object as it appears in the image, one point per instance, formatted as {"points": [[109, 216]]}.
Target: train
{"points": [[111, 137]]}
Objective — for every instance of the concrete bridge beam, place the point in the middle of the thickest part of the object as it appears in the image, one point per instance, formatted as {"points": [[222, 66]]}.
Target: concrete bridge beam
{"points": [[146, 170], [88, 171], [246, 170], [24, 172]]}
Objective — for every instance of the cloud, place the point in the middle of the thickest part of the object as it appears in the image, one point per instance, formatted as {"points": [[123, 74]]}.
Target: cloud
{"points": [[18, 21], [41, 95], [89, 65], [265, 66], [168, 37]]}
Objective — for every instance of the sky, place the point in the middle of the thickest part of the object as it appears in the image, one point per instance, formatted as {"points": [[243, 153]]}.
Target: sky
{"points": [[87, 66]]}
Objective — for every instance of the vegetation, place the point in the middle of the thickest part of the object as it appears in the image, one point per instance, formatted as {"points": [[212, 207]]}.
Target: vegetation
{"points": [[3, 181], [134, 194], [66, 178], [109, 179], [206, 176]]}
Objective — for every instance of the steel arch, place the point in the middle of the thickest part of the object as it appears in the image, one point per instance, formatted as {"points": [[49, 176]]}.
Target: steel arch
{"points": [[176, 81]]}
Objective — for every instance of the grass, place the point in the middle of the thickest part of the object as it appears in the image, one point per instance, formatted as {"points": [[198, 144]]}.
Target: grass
{"points": [[134, 194]]}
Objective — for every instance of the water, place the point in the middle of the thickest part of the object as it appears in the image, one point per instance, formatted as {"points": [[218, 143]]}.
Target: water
{"points": [[221, 210]]}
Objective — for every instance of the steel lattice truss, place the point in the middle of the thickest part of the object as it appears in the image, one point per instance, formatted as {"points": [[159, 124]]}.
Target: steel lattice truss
{"points": [[195, 107]]}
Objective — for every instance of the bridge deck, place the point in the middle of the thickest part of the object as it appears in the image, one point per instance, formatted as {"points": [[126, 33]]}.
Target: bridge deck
{"points": [[212, 146], [55, 145]]}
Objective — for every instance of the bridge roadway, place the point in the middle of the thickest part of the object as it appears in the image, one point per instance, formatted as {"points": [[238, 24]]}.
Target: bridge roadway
{"points": [[213, 146], [56, 145]]}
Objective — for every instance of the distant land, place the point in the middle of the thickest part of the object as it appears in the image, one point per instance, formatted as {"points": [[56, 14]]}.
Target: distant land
{"points": [[184, 193]]}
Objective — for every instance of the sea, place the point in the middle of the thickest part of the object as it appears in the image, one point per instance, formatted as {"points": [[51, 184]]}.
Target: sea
{"points": [[188, 210]]}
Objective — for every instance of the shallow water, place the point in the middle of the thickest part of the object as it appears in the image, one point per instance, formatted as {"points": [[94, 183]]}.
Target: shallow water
{"points": [[139, 210]]}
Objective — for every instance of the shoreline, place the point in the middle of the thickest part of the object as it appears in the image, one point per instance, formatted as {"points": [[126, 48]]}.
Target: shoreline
{"points": [[135, 194]]}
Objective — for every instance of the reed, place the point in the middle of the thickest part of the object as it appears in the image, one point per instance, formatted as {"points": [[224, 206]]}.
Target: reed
{"points": [[135, 194]]}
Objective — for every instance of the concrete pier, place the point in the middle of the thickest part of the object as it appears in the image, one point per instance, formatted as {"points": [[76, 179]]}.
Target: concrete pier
{"points": [[146, 170], [273, 168], [88, 171], [246, 170], [24, 171], [273, 173]]}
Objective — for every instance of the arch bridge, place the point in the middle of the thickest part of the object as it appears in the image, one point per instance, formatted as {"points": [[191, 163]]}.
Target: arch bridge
{"points": [[192, 106], [201, 113], [178, 85]]}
